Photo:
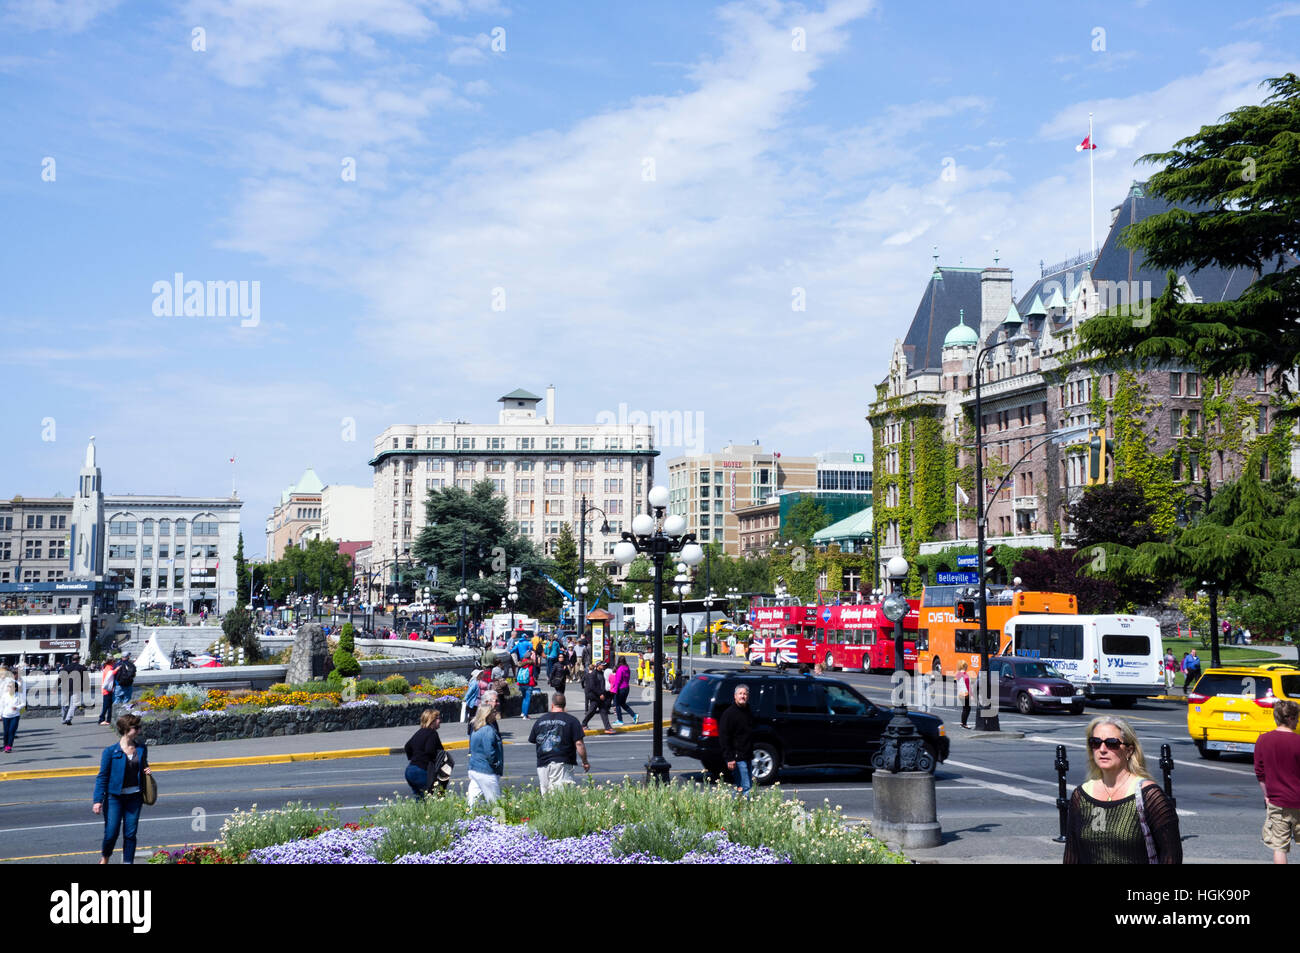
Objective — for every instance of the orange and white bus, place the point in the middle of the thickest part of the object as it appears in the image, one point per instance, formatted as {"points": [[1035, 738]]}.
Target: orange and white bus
{"points": [[948, 630]]}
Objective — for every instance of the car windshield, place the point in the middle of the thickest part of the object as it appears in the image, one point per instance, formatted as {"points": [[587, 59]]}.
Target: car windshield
{"points": [[1037, 670]]}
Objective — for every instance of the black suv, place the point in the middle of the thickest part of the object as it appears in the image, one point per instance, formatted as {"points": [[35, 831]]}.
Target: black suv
{"points": [[800, 721]]}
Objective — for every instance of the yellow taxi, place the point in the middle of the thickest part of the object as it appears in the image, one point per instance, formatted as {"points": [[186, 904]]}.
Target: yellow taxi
{"points": [[1228, 708]]}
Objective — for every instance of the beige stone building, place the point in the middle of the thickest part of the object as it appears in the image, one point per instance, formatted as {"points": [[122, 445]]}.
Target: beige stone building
{"points": [[708, 489]]}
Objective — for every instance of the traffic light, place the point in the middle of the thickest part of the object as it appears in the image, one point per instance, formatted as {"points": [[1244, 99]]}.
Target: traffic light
{"points": [[1098, 449]]}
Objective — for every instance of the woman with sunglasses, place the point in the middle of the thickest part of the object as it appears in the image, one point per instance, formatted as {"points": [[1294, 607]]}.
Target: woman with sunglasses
{"points": [[1119, 815]]}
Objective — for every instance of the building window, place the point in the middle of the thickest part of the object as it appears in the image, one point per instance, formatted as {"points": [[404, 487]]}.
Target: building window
{"points": [[1263, 420], [522, 466], [614, 486], [33, 549], [613, 465], [554, 443], [525, 527], [207, 528], [1193, 385], [613, 507], [464, 466], [1175, 423], [583, 443], [465, 485], [554, 466], [585, 466], [1176, 384], [555, 486], [496, 466], [465, 443], [525, 486], [496, 443], [115, 528], [180, 527], [525, 443], [432, 466], [554, 508]]}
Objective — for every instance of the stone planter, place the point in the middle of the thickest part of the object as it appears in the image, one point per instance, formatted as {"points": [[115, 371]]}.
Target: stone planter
{"points": [[232, 725]]}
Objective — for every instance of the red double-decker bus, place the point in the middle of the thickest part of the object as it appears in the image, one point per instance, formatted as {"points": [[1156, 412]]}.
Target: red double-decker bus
{"points": [[837, 635]]}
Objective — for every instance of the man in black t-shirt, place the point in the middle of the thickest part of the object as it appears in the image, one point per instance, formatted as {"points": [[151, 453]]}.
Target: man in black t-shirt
{"points": [[558, 737]]}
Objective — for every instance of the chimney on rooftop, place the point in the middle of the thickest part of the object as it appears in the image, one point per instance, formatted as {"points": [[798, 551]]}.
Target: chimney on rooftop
{"points": [[550, 404]]}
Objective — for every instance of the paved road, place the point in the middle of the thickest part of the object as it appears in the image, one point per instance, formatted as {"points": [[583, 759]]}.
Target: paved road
{"points": [[996, 795]]}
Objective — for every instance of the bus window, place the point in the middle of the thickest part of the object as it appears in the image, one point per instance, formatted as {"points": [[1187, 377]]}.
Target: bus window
{"points": [[1125, 645], [922, 637]]}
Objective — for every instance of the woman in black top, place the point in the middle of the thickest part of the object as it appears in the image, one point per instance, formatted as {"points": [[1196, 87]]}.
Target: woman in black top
{"points": [[422, 751], [1119, 815]]}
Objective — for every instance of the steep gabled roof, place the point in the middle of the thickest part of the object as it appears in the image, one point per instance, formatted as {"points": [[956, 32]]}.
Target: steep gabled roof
{"points": [[949, 291]]}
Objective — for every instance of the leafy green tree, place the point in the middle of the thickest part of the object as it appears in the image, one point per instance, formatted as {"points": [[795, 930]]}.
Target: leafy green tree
{"points": [[1248, 530], [1237, 185], [319, 567], [1274, 611], [237, 625], [806, 518], [474, 526], [565, 558], [1117, 513], [638, 583]]}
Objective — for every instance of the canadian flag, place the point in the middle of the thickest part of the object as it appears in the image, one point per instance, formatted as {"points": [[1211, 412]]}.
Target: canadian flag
{"points": [[1086, 144]]}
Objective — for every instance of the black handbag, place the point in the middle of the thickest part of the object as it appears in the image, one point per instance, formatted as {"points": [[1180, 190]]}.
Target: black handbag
{"points": [[440, 769]]}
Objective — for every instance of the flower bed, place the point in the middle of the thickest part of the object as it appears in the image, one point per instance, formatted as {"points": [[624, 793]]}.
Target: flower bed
{"points": [[626, 823]]}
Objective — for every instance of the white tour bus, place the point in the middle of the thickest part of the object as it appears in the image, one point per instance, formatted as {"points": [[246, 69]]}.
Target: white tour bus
{"points": [[1116, 657]]}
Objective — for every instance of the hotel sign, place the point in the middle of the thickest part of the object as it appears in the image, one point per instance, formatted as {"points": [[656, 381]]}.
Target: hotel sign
{"points": [[60, 645]]}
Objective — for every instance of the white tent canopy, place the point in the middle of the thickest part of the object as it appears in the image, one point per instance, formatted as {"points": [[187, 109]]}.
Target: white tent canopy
{"points": [[152, 658]]}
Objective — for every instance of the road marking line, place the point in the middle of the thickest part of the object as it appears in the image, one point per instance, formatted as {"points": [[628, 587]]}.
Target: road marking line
{"points": [[1005, 774], [1008, 789]]}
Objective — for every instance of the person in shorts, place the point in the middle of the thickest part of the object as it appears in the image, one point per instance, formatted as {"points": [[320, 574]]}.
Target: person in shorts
{"points": [[558, 737], [1277, 766]]}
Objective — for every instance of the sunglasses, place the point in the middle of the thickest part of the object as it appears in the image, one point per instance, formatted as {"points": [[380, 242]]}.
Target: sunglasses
{"points": [[1114, 744]]}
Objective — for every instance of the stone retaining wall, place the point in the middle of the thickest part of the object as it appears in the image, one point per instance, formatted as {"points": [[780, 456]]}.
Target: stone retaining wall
{"points": [[234, 724]]}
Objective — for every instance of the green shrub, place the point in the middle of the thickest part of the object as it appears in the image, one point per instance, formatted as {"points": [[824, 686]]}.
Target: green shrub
{"points": [[345, 665], [445, 680], [367, 686], [244, 831], [347, 641], [281, 688], [395, 685], [660, 839]]}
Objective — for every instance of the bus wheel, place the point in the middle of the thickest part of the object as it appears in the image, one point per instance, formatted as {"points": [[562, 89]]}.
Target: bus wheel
{"points": [[1122, 701], [828, 662]]}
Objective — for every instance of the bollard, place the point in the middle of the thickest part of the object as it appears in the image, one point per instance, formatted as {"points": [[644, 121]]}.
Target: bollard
{"points": [[1167, 766], [1062, 805]]}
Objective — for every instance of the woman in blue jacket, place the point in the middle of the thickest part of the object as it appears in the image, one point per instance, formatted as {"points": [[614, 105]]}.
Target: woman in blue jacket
{"points": [[486, 757], [118, 788]]}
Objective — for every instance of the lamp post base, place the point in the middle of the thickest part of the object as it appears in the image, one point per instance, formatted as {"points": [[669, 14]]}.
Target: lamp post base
{"points": [[656, 770]]}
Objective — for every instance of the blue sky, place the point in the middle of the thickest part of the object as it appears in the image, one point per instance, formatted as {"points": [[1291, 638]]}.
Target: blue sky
{"points": [[522, 176]]}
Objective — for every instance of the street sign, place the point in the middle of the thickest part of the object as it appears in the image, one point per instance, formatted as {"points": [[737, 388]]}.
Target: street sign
{"points": [[957, 578], [431, 575], [516, 574], [968, 562]]}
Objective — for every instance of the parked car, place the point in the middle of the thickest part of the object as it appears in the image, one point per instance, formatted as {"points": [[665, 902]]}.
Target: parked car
{"points": [[1229, 708], [800, 721], [1032, 685]]}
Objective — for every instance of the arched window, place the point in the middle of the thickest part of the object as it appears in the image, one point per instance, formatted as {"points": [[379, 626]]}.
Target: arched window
{"points": [[146, 528], [164, 527], [180, 527]]}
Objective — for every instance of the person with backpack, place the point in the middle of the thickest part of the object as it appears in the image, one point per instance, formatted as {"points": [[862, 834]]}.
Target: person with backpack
{"points": [[107, 685], [526, 679], [559, 676], [124, 681]]}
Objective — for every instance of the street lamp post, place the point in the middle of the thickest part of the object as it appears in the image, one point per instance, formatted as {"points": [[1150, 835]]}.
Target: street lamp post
{"points": [[708, 625], [901, 745], [681, 588], [475, 599], [462, 598], [512, 596], [983, 721], [658, 536], [582, 558]]}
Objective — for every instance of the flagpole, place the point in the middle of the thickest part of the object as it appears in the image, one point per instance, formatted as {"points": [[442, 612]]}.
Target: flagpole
{"points": [[1092, 201]]}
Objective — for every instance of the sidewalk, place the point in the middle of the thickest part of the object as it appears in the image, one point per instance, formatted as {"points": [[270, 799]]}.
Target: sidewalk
{"points": [[46, 748]]}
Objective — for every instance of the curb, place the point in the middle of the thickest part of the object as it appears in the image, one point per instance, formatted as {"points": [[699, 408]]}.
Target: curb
{"points": [[197, 763]]}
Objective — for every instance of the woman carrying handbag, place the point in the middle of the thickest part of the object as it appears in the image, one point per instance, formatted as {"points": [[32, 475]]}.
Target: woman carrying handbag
{"points": [[121, 787]]}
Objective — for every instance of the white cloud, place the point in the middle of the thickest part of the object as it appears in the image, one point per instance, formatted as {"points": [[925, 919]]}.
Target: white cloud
{"points": [[71, 15]]}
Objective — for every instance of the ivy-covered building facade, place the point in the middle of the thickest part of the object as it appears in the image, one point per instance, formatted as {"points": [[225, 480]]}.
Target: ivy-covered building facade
{"points": [[1041, 401]]}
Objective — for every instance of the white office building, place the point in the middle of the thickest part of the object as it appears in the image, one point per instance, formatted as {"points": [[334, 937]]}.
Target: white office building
{"points": [[541, 467]]}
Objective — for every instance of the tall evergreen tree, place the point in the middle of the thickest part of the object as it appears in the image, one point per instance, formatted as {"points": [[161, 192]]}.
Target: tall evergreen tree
{"points": [[1238, 183]]}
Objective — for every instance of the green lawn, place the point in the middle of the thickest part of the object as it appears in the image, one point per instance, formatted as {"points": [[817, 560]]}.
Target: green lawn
{"points": [[1233, 654]]}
